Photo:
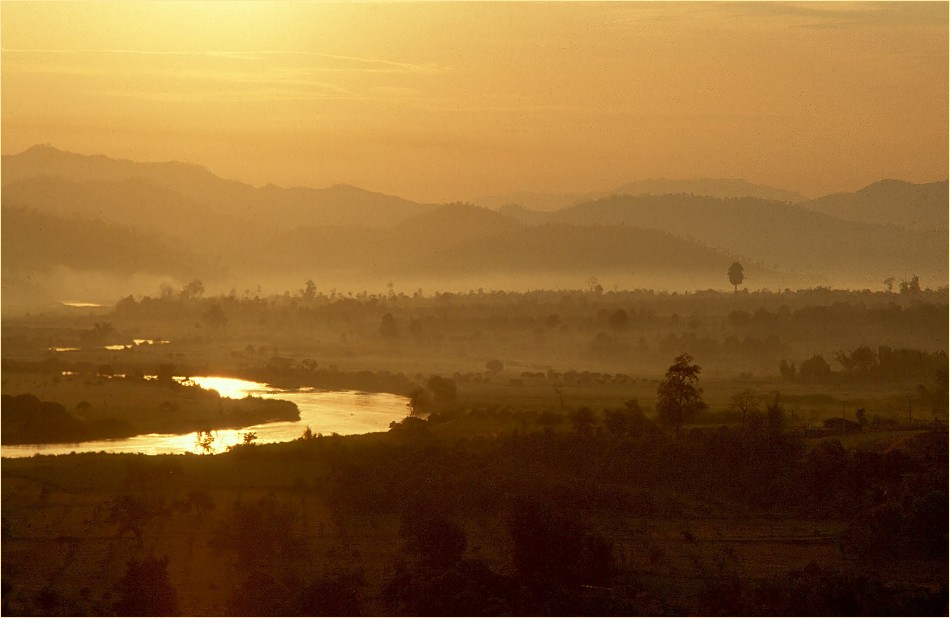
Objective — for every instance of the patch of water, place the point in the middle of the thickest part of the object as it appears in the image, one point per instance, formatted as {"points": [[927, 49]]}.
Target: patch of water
{"points": [[324, 412]]}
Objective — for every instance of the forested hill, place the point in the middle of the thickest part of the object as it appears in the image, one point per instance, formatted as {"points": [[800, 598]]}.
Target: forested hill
{"points": [[780, 235], [33, 240], [79, 214], [921, 207]]}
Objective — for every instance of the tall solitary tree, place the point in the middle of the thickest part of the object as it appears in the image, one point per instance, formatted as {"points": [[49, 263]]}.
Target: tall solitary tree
{"points": [[735, 275], [680, 396]]}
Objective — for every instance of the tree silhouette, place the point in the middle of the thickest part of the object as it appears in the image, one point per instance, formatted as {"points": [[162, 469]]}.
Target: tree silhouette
{"points": [[100, 334], [746, 403], [146, 590], [261, 594], [815, 369], [583, 420], [619, 319], [194, 289], [554, 550], [387, 326], [680, 396], [204, 441], [420, 401], [443, 390], [859, 361], [912, 286], [215, 317], [617, 422], [200, 501], [130, 514], [736, 277], [775, 415]]}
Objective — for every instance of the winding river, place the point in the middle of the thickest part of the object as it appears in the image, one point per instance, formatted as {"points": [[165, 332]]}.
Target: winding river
{"points": [[326, 412]]}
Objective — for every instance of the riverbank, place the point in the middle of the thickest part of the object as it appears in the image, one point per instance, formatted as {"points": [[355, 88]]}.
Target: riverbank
{"points": [[44, 408]]}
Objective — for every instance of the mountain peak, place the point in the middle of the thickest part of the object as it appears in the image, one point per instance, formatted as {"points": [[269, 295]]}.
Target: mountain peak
{"points": [[42, 148], [47, 160], [887, 184]]}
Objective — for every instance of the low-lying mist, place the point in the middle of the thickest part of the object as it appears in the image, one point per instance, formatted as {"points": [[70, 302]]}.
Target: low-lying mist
{"points": [[36, 291]]}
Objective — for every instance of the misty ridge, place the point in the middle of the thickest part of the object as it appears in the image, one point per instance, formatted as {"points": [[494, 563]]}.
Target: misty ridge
{"points": [[87, 226]]}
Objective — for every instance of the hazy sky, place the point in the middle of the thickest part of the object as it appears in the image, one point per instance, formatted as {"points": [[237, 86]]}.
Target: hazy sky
{"points": [[450, 100]]}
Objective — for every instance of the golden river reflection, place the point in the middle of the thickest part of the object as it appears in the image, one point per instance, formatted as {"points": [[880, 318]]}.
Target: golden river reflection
{"points": [[326, 412]]}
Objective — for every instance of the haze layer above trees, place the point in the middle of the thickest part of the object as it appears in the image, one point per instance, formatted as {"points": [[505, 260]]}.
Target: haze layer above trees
{"points": [[76, 227]]}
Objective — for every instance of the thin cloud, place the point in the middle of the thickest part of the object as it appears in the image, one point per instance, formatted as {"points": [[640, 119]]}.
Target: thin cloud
{"points": [[359, 64], [831, 15], [219, 96], [269, 78]]}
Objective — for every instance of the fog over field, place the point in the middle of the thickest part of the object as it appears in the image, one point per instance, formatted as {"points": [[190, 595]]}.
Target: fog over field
{"points": [[474, 308]]}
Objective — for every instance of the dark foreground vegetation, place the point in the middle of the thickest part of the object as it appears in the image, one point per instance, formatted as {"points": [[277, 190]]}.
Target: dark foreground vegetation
{"points": [[553, 461], [602, 516]]}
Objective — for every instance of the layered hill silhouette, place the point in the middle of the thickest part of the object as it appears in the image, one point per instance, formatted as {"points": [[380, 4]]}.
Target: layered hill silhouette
{"points": [[117, 185], [782, 235], [712, 187], [461, 239], [179, 220], [37, 241], [921, 207]]}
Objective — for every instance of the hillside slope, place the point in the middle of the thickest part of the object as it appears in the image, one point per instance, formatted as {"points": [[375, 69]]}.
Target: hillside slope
{"points": [[922, 207], [270, 205], [779, 235]]}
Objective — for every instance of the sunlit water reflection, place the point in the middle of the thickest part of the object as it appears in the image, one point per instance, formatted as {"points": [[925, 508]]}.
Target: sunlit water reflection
{"points": [[326, 412], [116, 347]]}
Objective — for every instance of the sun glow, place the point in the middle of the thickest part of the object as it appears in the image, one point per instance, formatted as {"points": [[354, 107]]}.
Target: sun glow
{"points": [[443, 101], [232, 388]]}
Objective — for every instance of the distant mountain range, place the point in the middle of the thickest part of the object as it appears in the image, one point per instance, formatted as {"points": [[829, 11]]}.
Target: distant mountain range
{"points": [[783, 235], [128, 185], [891, 202], [180, 221], [712, 187]]}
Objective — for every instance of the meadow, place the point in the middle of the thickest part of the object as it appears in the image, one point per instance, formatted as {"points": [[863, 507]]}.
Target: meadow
{"points": [[532, 474]]}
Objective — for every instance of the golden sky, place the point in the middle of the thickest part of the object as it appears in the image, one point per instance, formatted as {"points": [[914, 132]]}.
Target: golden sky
{"points": [[446, 101]]}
